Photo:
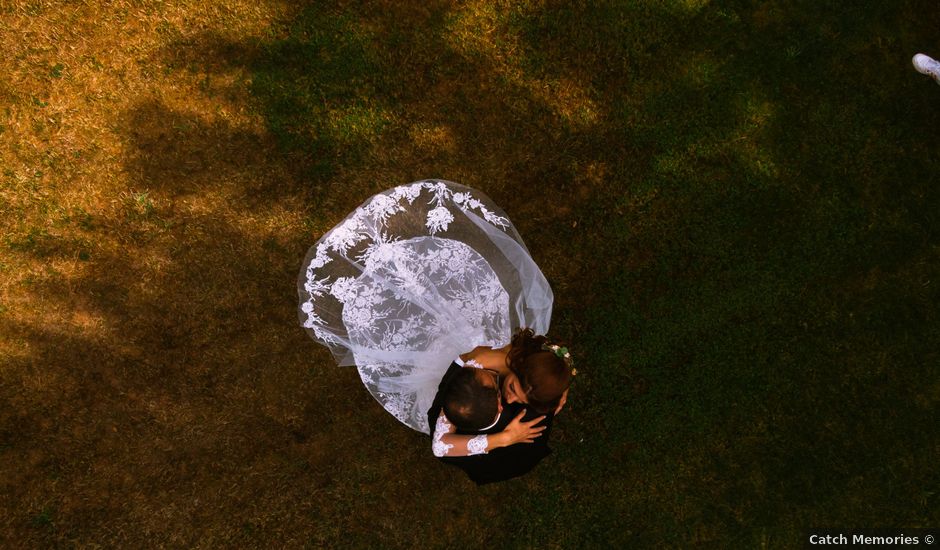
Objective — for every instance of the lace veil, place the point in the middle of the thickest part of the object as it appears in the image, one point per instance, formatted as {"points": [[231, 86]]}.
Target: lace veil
{"points": [[413, 277]]}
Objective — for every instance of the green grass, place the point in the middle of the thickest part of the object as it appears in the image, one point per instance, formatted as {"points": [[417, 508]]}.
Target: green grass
{"points": [[320, 89], [736, 204], [761, 345], [770, 348], [758, 369]]}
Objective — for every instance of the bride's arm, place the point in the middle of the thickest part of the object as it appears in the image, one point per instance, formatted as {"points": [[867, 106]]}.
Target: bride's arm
{"points": [[487, 357], [446, 442]]}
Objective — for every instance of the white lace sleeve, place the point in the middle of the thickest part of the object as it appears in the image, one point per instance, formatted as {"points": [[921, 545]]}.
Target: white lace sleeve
{"points": [[441, 428], [447, 443], [472, 363], [477, 445]]}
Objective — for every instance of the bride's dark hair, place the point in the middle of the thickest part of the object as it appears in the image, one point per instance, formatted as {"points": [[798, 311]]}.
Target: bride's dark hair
{"points": [[544, 376]]}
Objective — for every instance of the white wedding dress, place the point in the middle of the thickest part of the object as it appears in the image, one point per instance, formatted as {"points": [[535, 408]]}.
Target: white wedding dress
{"points": [[413, 277]]}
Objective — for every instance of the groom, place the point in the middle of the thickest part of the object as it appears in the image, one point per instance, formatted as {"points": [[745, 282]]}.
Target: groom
{"points": [[502, 463]]}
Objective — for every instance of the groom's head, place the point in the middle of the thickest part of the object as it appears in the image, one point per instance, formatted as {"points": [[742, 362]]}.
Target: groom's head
{"points": [[471, 399]]}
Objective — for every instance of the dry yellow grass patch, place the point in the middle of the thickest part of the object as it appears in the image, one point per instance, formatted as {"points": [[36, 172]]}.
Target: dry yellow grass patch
{"points": [[135, 238], [72, 72]]}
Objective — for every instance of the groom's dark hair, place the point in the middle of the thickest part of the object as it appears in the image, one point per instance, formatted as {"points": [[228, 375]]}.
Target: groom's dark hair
{"points": [[468, 403]]}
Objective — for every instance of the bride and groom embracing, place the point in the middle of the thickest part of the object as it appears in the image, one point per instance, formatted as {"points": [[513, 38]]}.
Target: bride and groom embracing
{"points": [[411, 280], [494, 408]]}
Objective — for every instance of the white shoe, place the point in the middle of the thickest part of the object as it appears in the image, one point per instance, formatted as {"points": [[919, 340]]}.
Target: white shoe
{"points": [[927, 65]]}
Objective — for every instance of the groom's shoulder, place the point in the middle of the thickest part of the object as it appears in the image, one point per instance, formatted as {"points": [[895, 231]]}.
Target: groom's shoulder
{"points": [[453, 369], [436, 404]]}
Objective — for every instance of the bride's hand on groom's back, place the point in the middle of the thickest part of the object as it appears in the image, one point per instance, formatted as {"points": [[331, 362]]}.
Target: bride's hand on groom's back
{"points": [[520, 432]]}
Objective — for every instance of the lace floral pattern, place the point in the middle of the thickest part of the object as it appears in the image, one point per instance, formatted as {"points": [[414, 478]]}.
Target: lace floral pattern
{"points": [[442, 427], [477, 445], [414, 276], [368, 222], [387, 317]]}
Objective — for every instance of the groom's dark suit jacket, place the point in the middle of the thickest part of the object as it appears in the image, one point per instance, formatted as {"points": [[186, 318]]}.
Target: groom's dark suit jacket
{"points": [[499, 464]]}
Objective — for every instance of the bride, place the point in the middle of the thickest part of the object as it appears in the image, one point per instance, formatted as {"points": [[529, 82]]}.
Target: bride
{"points": [[413, 277]]}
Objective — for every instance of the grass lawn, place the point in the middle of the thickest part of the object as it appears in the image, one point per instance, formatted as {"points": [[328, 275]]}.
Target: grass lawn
{"points": [[737, 205]]}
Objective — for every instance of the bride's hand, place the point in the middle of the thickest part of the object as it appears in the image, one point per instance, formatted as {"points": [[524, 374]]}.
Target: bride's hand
{"points": [[522, 432]]}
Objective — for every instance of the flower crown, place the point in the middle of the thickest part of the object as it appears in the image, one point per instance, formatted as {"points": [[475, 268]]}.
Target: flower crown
{"points": [[563, 353]]}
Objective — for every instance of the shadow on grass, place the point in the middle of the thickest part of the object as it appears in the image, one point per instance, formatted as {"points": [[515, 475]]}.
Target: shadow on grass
{"points": [[738, 218], [175, 369], [761, 356]]}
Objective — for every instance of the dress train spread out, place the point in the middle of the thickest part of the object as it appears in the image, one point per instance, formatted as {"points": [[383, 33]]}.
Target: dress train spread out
{"points": [[413, 277]]}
